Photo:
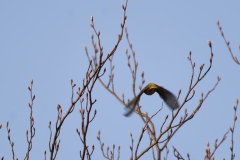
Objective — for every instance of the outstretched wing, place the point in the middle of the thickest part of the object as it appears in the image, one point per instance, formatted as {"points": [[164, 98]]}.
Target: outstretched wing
{"points": [[132, 104], [168, 97]]}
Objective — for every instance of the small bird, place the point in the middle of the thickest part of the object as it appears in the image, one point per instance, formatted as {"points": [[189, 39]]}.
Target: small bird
{"points": [[150, 89]]}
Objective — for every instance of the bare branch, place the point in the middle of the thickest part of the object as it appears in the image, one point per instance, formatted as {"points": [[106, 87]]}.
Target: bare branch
{"points": [[228, 44], [31, 127], [186, 117], [177, 154], [10, 141], [232, 129], [106, 156]]}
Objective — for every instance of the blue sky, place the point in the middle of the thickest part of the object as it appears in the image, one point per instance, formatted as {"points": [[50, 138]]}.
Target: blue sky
{"points": [[44, 40]]}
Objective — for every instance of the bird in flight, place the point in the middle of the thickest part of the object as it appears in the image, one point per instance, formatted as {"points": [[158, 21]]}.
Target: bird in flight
{"points": [[150, 89]]}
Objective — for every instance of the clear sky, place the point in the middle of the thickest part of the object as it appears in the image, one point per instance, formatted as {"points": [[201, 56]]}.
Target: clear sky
{"points": [[44, 40]]}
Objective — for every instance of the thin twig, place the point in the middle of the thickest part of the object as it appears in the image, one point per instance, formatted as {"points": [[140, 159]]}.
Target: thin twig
{"points": [[228, 44], [32, 128], [232, 129]]}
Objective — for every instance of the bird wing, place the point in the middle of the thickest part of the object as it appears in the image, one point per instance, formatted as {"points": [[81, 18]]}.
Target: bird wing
{"points": [[168, 97], [132, 104]]}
